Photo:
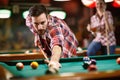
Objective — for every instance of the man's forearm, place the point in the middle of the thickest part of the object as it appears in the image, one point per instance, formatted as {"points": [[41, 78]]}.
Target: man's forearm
{"points": [[56, 53]]}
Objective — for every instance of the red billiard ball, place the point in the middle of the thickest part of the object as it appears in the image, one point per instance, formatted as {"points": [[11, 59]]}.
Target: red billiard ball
{"points": [[118, 60], [34, 65], [19, 66], [92, 67]]}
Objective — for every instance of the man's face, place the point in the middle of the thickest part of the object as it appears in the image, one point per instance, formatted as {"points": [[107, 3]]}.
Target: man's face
{"points": [[100, 5], [40, 23]]}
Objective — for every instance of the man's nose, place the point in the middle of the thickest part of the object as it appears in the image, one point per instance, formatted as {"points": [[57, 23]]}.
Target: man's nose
{"points": [[40, 26]]}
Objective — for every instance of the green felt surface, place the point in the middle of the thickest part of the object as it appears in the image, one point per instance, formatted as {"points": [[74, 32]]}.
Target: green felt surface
{"points": [[74, 65]]}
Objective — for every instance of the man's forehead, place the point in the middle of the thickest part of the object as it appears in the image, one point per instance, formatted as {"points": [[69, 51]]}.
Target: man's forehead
{"points": [[39, 18]]}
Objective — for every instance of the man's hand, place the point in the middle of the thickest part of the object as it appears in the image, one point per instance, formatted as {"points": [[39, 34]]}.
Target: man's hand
{"points": [[56, 65], [53, 67], [53, 64], [89, 29]]}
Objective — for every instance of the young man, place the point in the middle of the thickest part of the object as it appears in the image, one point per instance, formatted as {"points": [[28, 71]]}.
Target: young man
{"points": [[52, 35], [101, 25]]}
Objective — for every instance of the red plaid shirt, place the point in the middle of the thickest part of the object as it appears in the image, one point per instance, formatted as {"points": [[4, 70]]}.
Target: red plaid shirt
{"points": [[58, 33], [100, 24]]}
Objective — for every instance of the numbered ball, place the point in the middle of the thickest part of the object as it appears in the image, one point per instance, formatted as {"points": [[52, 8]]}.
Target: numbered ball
{"points": [[86, 59], [85, 65], [34, 65], [92, 67], [118, 60], [19, 66]]}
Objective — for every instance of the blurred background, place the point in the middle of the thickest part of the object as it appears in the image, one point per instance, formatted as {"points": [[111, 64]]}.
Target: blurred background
{"points": [[15, 35]]}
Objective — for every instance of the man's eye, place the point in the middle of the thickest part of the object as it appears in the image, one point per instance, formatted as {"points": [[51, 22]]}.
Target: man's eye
{"points": [[42, 23], [36, 23]]}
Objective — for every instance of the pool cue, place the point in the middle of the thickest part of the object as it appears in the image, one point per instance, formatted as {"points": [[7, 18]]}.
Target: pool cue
{"points": [[43, 53], [106, 27]]}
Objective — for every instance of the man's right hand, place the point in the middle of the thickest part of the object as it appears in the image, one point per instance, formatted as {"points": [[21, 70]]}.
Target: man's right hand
{"points": [[53, 64]]}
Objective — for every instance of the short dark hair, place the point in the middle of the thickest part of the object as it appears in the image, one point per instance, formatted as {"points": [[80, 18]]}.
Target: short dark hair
{"points": [[36, 10]]}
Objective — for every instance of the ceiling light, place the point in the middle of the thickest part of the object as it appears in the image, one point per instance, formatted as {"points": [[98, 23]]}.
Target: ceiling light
{"points": [[25, 14], [4, 13], [59, 14], [61, 0]]}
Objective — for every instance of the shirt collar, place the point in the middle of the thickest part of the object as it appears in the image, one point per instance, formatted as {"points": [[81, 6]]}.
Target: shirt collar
{"points": [[99, 16]]}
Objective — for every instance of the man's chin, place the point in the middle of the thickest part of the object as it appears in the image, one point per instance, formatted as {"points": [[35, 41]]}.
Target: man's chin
{"points": [[41, 33]]}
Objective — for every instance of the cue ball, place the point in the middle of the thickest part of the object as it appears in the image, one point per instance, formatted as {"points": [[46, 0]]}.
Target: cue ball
{"points": [[92, 67], [34, 65], [19, 66], [118, 60]]}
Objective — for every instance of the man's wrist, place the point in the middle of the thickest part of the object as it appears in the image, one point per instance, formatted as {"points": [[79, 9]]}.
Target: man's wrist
{"points": [[52, 63]]}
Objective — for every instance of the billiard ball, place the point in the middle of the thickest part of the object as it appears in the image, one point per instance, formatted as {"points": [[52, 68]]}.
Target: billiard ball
{"points": [[92, 67], [86, 59], [34, 65], [93, 61], [118, 60], [27, 52], [19, 66], [85, 65]]}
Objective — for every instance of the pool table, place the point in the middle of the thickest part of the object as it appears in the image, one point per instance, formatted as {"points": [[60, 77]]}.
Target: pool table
{"points": [[33, 54], [72, 69]]}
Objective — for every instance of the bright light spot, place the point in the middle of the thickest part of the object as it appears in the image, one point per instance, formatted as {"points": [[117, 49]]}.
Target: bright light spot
{"points": [[61, 0], [25, 13], [5, 13], [117, 1], [87, 2], [108, 1], [59, 14]]}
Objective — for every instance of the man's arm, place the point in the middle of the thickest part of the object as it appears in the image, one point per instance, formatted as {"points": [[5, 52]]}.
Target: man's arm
{"points": [[54, 61], [56, 53], [91, 30]]}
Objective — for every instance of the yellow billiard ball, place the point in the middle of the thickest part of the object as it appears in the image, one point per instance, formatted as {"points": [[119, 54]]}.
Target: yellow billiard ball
{"points": [[34, 65]]}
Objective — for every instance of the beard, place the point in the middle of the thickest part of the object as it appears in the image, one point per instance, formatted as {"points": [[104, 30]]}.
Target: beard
{"points": [[41, 32]]}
